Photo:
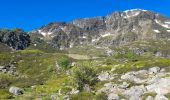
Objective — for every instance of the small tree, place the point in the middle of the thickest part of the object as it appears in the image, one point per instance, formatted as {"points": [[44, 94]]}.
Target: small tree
{"points": [[84, 75]]}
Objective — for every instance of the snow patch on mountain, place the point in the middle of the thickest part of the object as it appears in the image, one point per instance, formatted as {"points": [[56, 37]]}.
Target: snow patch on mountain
{"points": [[105, 35], [167, 22], [95, 40], [44, 33], [157, 31], [163, 25], [133, 12]]}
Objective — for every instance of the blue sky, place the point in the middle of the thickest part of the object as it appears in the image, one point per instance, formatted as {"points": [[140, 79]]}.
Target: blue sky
{"points": [[31, 14]]}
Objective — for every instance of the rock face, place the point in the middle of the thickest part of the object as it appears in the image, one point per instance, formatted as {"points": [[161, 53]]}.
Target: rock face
{"points": [[16, 38], [114, 29], [16, 90]]}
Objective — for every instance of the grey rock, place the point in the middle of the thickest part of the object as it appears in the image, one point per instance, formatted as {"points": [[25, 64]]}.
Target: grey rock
{"points": [[108, 88], [54, 96], [2, 67], [66, 97], [160, 86], [154, 69], [160, 97], [74, 91], [134, 97], [16, 90], [124, 85], [135, 91], [141, 72], [16, 39], [113, 96], [131, 76], [128, 76], [104, 76], [149, 98]]}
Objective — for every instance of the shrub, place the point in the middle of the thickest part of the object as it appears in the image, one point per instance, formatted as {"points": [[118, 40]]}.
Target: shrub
{"points": [[84, 75], [64, 63]]}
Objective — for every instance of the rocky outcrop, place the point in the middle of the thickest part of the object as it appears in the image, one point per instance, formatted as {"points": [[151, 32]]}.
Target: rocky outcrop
{"points": [[16, 38], [146, 84]]}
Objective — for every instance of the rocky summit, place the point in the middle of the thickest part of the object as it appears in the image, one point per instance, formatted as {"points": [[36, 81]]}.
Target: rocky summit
{"points": [[117, 28], [122, 56]]}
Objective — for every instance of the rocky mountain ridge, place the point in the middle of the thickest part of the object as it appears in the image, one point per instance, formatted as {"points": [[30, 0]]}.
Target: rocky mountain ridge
{"points": [[116, 28]]}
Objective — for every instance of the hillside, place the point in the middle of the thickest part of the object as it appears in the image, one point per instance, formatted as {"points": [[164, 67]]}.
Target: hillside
{"points": [[122, 56]]}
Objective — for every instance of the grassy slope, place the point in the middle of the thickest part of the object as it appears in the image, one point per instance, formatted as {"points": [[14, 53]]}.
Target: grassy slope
{"points": [[37, 67]]}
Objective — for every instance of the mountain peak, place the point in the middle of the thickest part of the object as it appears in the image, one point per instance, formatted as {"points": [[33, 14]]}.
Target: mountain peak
{"points": [[119, 27]]}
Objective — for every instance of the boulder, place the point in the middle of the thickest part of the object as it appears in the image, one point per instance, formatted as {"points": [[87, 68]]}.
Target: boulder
{"points": [[154, 70], [131, 76], [135, 91], [2, 68], [105, 76], [160, 86], [66, 97], [16, 90], [54, 96], [74, 91], [111, 88], [149, 98], [161, 97], [113, 96], [124, 85], [141, 72], [128, 76]]}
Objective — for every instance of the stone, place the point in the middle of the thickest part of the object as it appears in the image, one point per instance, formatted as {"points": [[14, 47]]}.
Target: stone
{"points": [[66, 97], [163, 70], [134, 97], [135, 91], [2, 67], [154, 70], [124, 85], [113, 69], [113, 96], [104, 76], [149, 98], [141, 72], [128, 76], [73, 64], [111, 88], [131, 76], [160, 97], [74, 91], [16, 90], [160, 86], [54, 96]]}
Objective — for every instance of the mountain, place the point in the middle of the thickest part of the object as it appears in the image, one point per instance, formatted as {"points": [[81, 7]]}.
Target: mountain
{"points": [[122, 56], [117, 28]]}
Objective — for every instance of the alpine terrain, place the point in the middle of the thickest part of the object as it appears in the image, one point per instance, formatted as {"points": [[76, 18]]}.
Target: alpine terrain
{"points": [[122, 56]]}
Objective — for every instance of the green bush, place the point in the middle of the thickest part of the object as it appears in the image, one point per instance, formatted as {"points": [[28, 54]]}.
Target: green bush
{"points": [[84, 75], [64, 63]]}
